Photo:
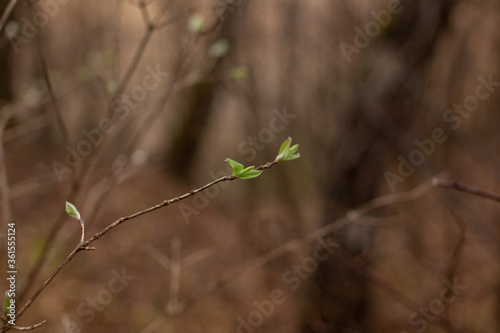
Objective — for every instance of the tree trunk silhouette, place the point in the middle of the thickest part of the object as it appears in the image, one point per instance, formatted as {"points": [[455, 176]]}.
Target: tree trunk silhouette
{"points": [[374, 124]]}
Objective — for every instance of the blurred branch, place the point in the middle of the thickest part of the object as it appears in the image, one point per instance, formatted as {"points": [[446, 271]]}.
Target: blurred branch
{"points": [[5, 115], [55, 102], [26, 127], [144, 12], [174, 265], [175, 275], [23, 328], [361, 268], [112, 178], [353, 262], [135, 61], [465, 188], [31, 275], [179, 16], [297, 244], [5, 16], [78, 179], [142, 130]]}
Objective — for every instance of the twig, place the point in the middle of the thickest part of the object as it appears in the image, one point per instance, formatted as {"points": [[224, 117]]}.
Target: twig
{"points": [[175, 276], [5, 16], [150, 28], [174, 265], [85, 170], [82, 224], [144, 12], [465, 188], [23, 328], [176, 18], [135, 61], [142, 130], [51, 91], [258, 262], [155, 324], [85, 245]]}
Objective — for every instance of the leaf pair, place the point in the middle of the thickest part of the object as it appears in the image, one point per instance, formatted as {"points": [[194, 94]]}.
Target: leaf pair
{"points": [[241, 172], [287, 152]]}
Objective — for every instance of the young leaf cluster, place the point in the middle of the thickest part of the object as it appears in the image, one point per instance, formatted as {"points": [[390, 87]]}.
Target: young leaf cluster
{"points": [[286, 153], [242, 172]]}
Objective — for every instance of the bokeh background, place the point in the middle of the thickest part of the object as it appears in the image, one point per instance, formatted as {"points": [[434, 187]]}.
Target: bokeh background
{"points": [[118, 105]]}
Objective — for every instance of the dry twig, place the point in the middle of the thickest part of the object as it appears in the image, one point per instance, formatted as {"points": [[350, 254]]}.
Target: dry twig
{"points": [[466, 188]]}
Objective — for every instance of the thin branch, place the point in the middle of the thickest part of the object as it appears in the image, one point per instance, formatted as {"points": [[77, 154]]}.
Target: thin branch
{"points": [[51, 91], [82, 224], [156, 254], [466, 188], [135, 61], [140, 133], [153, 208], [258, 262], [85, 170], [4, 185], [144, 12], [78, 180], [161, 12], [176, 18], [175, 276], [85, 245], [23, 328], [5, 16], [155, 324]]}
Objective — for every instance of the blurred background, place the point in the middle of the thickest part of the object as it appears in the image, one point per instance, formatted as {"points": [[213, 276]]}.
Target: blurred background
{"points": [[118, 105]]}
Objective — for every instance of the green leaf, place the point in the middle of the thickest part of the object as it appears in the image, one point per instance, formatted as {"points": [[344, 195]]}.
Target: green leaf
{"points": [[291, 157], [249, 174], [286, 152], [293, 149], [72, 211], [237, 167], [246, 169], [285, 145]]}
